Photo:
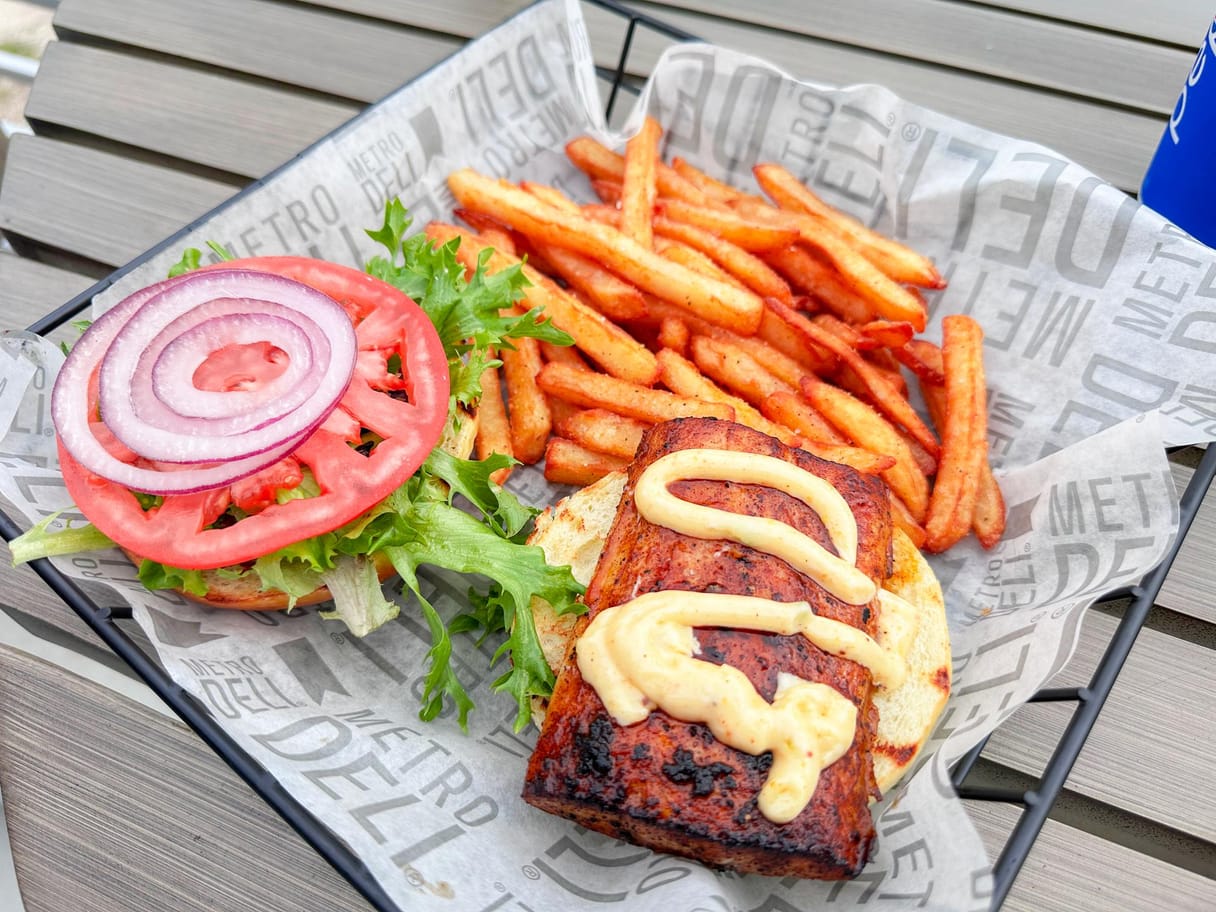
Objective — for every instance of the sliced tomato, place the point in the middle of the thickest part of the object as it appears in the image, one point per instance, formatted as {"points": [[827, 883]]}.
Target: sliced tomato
{"points": [[387, 323]]}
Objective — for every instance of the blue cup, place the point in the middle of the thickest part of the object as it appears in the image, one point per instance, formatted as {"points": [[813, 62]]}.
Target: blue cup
{"points": [[1181, 179]]}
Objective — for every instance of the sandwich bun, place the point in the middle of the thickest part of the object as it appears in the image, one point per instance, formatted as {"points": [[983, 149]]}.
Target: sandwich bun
{"points": [[574, 531], [245, 592]]}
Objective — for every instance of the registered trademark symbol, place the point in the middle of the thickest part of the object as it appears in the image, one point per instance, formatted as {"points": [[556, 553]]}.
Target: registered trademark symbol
{"points": [[48, 432], [500, 887], [910, 131], [1026, 547], [890, 118], [337, 638], [530, 872], [414, 879]]}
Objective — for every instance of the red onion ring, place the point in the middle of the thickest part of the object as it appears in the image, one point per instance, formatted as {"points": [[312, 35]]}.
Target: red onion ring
{"points": [[257, 430]]}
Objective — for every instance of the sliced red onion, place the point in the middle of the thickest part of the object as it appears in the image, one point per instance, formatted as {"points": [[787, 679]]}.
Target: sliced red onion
{"points": [[137, 345]]}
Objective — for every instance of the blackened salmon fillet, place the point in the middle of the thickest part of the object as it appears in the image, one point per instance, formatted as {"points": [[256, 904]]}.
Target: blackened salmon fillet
{"points": [[672, 785]]}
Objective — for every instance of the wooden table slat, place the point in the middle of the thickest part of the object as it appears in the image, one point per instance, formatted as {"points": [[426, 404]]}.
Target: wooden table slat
{"points": [[212, 119], [97, 204], [1153, 743], [1190, 587], [29, 289], [1180, 22], [318, 49]]}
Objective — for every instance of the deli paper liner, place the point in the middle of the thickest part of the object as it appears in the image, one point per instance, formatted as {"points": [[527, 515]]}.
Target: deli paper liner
{"points": [[1099, 323]]}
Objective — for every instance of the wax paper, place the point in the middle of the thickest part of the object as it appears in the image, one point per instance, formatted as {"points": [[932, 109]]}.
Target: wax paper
{"points": [[1099, 324]]}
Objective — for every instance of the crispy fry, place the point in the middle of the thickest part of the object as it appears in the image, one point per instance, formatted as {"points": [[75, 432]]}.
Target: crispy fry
{"points": [[568, 463], [924, 359], [807, 273], [681, 376], [638, 191], [711, 187], [964, 437], [734, 369], [893, 258], [888, 298], [787, 331], [604, 431], [550, 195], [493, 428], [749, 234], [610, 192], [747, 267], [695, 260], [868, 429], [560, 409], [988, 523], [564, 354], [715, 301], [785, 407], [592, 390], [598, 161], [827, 331], [604, 342], [527, 410], [673, 334], [605, 291], [886, 334], [904, 519]]}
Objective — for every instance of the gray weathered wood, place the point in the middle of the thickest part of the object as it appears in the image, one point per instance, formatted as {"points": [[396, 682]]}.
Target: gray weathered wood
{"points": [[113, 807], [1180, 22], [179, 112], [1190, 587], [29, 289], [97, 204], [318, 49], [1152, 746], [1070, 870]]}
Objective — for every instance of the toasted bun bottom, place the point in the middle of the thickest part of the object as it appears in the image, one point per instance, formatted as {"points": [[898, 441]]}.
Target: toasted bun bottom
{"points": [[245, 593], [574, 532]]}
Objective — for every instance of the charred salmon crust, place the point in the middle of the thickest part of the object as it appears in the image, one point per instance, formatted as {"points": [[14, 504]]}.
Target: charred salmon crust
{"points": [[671, 785]]}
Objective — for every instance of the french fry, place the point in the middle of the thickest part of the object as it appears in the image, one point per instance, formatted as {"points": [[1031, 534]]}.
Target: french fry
{"points": [[807, 273], [903, 518], [924, 359], [593, 390], [638, 191], [549, 194], [827, 331], [886, 334], [870, 430], [560, 409], [598, 161], [527, 409], [604, 342], [606, 292], [610, 192], [695, 260], [711, 187], [988, 523], [734, 369], [893, 258], [751, 235], [566, 462], [747, 267], [787, 408], [889, 298], [604, 431], [673, 334], [681, 376], [493, 428], [714, 301], [564, 354], [964, 437], [789, 331]]}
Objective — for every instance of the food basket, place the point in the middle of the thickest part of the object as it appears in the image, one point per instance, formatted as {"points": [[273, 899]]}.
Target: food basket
{"points": [[1035, 803]]}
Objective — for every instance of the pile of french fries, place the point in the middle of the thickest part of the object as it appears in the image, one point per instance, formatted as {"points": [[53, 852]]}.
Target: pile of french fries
{"points": [[688, 297]]}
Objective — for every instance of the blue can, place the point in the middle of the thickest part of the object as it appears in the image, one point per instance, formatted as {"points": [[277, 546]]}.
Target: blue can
{"points": [[1181, 179]]}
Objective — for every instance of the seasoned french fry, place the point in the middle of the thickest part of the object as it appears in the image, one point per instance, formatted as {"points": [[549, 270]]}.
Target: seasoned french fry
{"points": [[964, 437], [924, 359], [568, 463], [695, 260], [807, 273], [886, 334], [610, 192], [604, 342], [493, 428], [604, 431], [593, 390], [605, 291], [598, 161], [736, 370], [893, 258], [751, 235], [988, 523], [870, 430], [711, 187], [714, 301], [550, 195], [560, 409], [564, 354], [527, 409], [681, 376], [747, 267], [638, 190], [787, 408], [826, 331], [903, 518], [673, 334], [888, 297], [789, 331]]}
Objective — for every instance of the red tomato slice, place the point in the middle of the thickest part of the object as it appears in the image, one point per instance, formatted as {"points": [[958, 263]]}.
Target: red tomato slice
{"points": [[386, 322]]}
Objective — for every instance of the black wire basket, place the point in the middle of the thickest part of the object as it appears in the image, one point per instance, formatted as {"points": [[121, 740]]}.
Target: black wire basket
{"points": [[1035, 802]]}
